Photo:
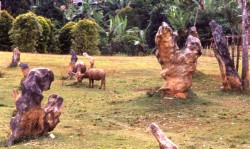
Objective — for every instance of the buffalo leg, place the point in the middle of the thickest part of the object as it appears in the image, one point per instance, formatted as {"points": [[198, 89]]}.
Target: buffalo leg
{"points": [[104, 84], [101, 84], [92, 81], [89, 83]]}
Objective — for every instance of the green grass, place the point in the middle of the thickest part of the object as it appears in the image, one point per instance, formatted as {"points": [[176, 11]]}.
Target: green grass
{"points": [[118, 117]]}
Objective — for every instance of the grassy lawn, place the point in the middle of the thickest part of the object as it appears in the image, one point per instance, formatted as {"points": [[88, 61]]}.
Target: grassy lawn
{"points": [[119, 116]]}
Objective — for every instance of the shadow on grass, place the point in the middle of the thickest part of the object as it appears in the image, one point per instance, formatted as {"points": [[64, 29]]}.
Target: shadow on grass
{"points": [[242, 95], [22, 140], [63, 78], [3, 105], [82, 85], [200, 77], [1, 74], [76, 85], [162, 103], [157, 103]]}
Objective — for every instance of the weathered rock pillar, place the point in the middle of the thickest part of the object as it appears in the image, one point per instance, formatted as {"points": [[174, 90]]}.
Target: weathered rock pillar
{"points": [[177, 65], [31, 119], [230, 77]]}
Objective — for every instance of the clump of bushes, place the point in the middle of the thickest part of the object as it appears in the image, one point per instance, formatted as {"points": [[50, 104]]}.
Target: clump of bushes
{"points": [[65, 37], [43, 39], [85, 37], [25, 32], [5, 25], [33, 33]]}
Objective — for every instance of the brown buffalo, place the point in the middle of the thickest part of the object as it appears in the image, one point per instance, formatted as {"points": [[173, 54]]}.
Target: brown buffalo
{"points": [[77, 69], [95, 74]]}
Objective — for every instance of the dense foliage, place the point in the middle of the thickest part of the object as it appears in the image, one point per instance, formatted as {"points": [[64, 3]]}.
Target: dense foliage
{"points": [[25, 32], [42, 43], [85, 36], [114, 21], [52, 12], [65, 37], [156, 19], [5, 25], [53, 43], [16, 7]]}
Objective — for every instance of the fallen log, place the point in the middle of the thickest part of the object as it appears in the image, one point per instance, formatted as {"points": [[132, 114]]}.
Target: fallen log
{"points": [[31, 119], [230, 77], [164, 142]]}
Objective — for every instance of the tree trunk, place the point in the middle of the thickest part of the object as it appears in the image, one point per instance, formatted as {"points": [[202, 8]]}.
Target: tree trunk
{"points": [[164, 142], [31, 119], [232, 46], [245, 65], [177, 66], [238, 54], [230, 78]]}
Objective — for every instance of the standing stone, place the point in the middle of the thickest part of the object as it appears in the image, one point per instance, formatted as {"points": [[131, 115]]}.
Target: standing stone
{"points": [[230, 77], [177, 65]]}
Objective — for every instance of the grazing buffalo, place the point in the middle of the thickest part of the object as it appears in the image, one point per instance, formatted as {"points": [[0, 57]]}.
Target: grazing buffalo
{"points": [[77, 69], [95, 74]]}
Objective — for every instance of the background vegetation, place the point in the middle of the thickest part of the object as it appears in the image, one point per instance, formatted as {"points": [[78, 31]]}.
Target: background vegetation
{"points": [[115, 18]]}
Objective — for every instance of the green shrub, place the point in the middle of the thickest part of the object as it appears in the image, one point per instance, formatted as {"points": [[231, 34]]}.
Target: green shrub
{"points": [[25, 32], [16, 7], [85, 36], [49, 10], [53, 43], [126, 45], [5, 25], [157, 17], [137, 16], [65, 37], [42, 43]]}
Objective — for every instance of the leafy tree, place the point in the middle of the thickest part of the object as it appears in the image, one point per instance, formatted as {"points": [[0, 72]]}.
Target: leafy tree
{"points": [[132, 43], [5, 24], [16, 7], [25, 32], [117, 25], [42, 43], [140, 40], [157, 16], [137, 17], [65, 37], [86, 36], [49, 10], [138, 13], [112, 7], [53, 43], [117, 28]]}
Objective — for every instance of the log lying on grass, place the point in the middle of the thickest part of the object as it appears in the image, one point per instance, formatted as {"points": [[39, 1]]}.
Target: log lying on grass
{"points": [[31, 119], [177, 65], [230, 77], [164, 142]]}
